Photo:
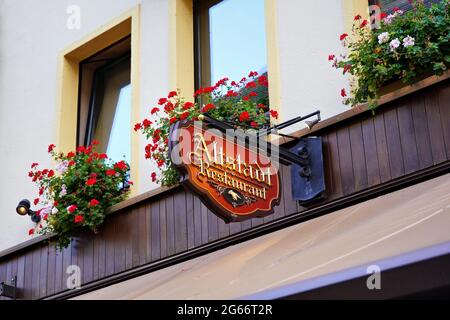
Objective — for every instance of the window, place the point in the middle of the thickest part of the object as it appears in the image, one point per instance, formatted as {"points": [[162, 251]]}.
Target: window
{"points": [[388, 6], [230, 40], [104, 110]]}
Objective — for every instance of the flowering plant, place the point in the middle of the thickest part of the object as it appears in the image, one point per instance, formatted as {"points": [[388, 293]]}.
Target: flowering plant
{"points": [[243, 104], [405, 46], [76, 194]]}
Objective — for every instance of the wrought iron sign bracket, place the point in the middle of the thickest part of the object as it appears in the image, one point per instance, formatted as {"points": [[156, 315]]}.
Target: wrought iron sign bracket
{"points": [[286, 156]]}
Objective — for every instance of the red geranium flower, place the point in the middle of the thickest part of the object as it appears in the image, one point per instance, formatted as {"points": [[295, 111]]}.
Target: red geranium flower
{"points": [[154, 110], [343, 93], [161, 163], [137, 127], [254, 124], [45, 217], [36, 201], [71, 163], [162, 101], [110, 172], [31, 232], [72, 208], [357, 17], [331, 57], [95, 142], [244, 116], [274, 114], [153, 176], [364, 23], [173, 120], [103, 156], [51, 173], [93, 202], [91, 181], [208, 107], [343, 36], [78, 219], [34, 165], [55, 203], [187, 105], [184, 115], [70, 155], [172, 94], [51, 147], [121, 165], [383, 15]]}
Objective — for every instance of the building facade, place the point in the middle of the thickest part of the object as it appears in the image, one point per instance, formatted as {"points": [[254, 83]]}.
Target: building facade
{"points": [[55, 56]]}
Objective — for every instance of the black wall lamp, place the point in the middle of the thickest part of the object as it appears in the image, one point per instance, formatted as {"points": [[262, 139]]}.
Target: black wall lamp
{"points": [[24, 208], [9, 291]]}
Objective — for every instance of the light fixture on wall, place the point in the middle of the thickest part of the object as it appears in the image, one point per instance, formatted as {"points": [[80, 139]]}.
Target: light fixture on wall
{"points": [[24, 208]]}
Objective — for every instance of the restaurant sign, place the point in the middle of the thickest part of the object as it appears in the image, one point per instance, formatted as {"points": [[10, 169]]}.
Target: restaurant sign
{"points": [[234, 180]]}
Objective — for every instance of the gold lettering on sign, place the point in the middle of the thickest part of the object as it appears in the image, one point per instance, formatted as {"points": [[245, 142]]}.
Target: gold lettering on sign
{"points": [[215, 166]]}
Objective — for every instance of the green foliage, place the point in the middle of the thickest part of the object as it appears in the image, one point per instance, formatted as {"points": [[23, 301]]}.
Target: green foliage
{"points": [[77, 193], [406, 47], [243, 104]]}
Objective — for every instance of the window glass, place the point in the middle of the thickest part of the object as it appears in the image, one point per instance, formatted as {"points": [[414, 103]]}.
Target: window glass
{"points": [[230, 40], [119, 139], [237, 38]]}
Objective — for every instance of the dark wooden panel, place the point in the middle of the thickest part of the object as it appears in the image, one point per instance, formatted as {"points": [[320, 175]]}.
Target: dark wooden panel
{"points": [[35, 273], [224, 228], [145, 228], [28, 275], [163, 227], [88, 258], [408, 137], [393, 143], [43, 269], [358, 156], [109, 234], [137, 236], [334, 163], [382, 148], [21, 275], [421, 132], [170, 225], [435, 127], [67, 261], [345, 161], [198, 219], [155, 233], [181, 237], [370, 151], [443, 93], [120, 241], [190, 220], [3, 266], [204, 224], [213, 233], [51, 269], [129, 228], [235, 227]]}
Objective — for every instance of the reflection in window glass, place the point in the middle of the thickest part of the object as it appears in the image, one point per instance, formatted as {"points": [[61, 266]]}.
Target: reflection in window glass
{"points": [[237, 39], [119, 140]]}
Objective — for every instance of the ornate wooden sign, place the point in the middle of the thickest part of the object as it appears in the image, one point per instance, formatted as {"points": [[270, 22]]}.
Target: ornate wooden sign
{"points": [[233, 180]]}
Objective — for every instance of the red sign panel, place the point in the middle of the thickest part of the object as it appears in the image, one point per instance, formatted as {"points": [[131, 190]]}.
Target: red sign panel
{"points": [[234, 181]]}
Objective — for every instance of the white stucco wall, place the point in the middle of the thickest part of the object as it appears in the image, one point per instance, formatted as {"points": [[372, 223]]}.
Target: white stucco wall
{"points": [[32, 33]]}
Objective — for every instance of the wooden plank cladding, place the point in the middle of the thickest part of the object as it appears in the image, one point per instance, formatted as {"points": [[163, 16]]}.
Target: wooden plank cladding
{"points": [[404, 136]]}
